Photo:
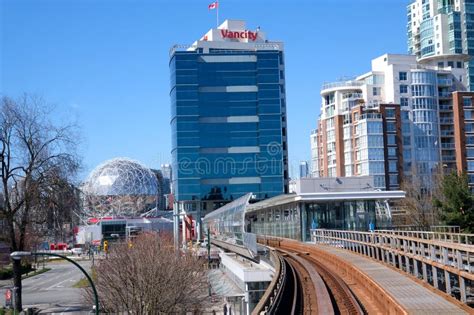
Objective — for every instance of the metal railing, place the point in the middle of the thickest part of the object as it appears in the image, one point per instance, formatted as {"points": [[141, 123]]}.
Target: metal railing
{"points": [[446, 120], [444, 94], [349, 83], [447, 145], [274, 290], [444, 260], [446, 82], [179, 47], [459, 238]]}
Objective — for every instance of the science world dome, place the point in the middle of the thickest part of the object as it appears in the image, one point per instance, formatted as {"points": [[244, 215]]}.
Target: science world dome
{"points": [[120, 187]]}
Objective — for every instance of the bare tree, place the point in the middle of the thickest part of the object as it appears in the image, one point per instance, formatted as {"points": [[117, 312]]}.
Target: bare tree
{"points": [[62, 205], [421, 192], [33, 151], [149, 277]]}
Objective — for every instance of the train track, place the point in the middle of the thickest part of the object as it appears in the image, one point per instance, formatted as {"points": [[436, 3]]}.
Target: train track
{"points": [[307, 287]]}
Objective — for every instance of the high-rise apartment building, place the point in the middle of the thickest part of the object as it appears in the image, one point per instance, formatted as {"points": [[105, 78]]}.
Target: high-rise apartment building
{"points": [[438, 29], [228, 118], [304, 169], [396, 121]]}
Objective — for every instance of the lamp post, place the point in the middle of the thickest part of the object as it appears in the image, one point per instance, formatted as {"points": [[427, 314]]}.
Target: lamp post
{"points": [[19, 255]]}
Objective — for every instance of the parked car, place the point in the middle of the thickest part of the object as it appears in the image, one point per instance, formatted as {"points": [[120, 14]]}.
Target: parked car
{"points": [[77, 251]]}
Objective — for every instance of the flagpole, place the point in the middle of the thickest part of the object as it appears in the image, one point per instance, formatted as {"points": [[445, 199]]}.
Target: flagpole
{"points": [[217, 14]]}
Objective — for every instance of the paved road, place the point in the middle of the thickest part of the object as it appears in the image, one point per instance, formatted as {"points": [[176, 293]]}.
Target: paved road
{"points": [[52, 291]]}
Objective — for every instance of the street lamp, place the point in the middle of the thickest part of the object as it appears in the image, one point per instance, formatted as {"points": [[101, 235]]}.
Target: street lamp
{"points": [[19, 255]]}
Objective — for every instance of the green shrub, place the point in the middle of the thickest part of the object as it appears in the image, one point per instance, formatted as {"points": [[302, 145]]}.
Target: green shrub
{"points": [[6, 273]]}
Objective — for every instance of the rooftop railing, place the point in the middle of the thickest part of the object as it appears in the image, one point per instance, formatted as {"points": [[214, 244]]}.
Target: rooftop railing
{"points": [[348, 83]]}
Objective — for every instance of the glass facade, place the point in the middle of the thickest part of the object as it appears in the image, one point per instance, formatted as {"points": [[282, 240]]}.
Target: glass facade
{"points": [[228, 120], [227, 223], [296, 219], [450, 30], [426, 38], [469, 40], [425, 124]]}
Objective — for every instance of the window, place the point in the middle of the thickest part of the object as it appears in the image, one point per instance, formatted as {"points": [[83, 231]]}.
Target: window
{"points": [[470, 153], [470, 165], [390, 112], [392, 166], [405, 127], [405, 115], [376, 168], [403, 89], [469, 127], [392, 152], [402, 76], [375, 154], [357, 169], [391, 127], [391, 140], [470, 140], [379, 181], [404, 101], [406, 154], [393, 179], [406, 140], [467, 101]]}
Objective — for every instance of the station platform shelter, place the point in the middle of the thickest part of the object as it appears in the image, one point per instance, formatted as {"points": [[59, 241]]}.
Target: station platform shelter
{"points": [[348, 203]]}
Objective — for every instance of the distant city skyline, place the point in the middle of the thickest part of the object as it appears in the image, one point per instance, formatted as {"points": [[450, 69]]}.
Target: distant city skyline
{"points": [[105, 64]]}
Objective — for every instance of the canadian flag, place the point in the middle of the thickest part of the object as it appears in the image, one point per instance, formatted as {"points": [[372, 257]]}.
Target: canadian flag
{"points": [[213, 5]]}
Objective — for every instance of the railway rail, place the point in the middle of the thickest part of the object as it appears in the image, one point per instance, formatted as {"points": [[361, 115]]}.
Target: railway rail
{"points": [[328, 286], [305, 286]]}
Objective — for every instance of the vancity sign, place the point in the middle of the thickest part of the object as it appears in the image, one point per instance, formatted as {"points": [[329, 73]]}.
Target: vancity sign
{"points": [[239, 34]]}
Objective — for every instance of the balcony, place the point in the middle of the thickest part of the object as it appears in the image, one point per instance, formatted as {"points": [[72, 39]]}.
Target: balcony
{"points": [[447, 133], [445, 82], [444, 94], [448, 158], [445, 107], [342, 84], [352, 96], [372, 104], [370, 116], [446, 121], [447, 146]]}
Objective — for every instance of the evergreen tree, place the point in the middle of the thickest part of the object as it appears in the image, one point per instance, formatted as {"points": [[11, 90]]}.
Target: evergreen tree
{"points": [[457, 202]]}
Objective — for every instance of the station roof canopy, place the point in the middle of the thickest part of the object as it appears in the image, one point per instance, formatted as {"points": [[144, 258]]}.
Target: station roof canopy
{"points": [[330, 189]]}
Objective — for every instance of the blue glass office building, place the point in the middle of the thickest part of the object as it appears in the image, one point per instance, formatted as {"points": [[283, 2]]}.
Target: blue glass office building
{"points": [[228, 118]]}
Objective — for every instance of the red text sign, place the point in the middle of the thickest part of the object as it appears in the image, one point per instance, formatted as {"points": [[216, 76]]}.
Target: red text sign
{"points": [[239, 34]]}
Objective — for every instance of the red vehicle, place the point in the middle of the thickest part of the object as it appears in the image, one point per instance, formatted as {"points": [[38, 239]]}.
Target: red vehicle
{"points": [[58, 246]]}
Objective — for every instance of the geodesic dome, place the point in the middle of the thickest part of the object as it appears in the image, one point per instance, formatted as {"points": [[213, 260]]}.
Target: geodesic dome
{"points": [[120, 187]]}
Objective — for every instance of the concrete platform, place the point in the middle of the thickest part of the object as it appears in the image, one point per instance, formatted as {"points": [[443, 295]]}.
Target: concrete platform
{"points": [[415, 298]]}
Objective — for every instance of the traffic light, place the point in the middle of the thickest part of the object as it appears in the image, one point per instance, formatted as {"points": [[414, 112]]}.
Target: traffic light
{"points": [[106, 246]]}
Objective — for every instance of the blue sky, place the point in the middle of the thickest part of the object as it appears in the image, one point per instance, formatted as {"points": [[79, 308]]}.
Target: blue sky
{"points": [[104, 64]]}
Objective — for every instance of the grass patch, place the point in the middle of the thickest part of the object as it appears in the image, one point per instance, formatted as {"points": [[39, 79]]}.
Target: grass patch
{"points": [[4, 311], [84, 283], [35, 273]]}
